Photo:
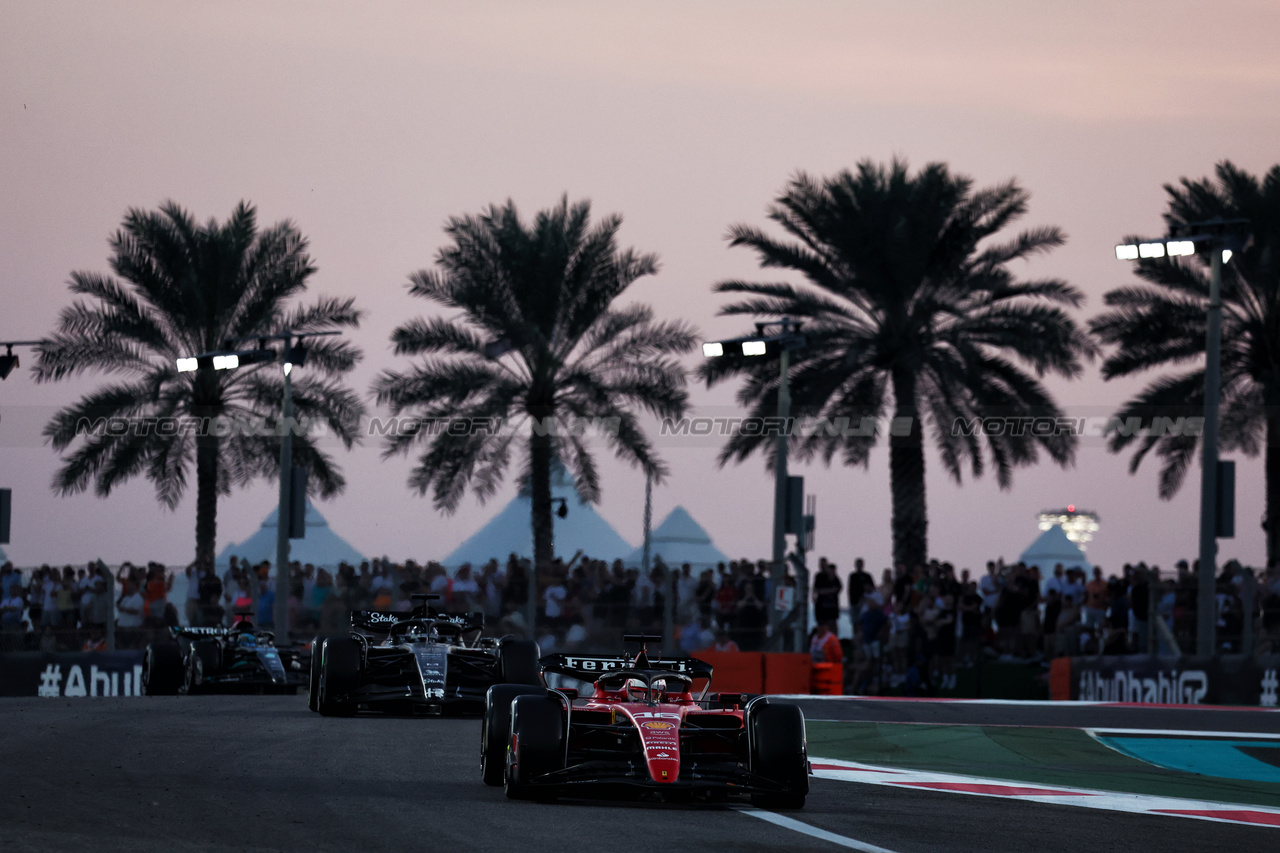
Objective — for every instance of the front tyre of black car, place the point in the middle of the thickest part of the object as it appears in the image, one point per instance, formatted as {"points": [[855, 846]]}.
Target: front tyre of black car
{"points": [[778, 753], [162, 672], [495, 729], [313, 683], [537, 732], [339, 676]]}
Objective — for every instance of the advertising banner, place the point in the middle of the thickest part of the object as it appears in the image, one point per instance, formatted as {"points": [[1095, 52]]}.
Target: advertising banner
{"points": [[1187, 680], [73, 674]]}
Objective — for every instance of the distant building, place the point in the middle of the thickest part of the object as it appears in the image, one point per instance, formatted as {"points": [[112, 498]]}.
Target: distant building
{"points": [[1078, 524]]}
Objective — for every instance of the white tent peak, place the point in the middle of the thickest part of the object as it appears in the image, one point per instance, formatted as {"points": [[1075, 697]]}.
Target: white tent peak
{"points": [[314, 518], [321, 546], [679, 539], [1052, 547], [511, 530]]}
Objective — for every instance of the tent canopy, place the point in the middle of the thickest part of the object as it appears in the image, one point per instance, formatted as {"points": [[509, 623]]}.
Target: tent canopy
{"points": [[321, 546], [511, 530], [677, 540], [1052, 547]]}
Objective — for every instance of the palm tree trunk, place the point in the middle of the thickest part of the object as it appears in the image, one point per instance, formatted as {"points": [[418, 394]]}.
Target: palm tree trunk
{"points": [[1271, 511], [906, 474], [207, 498], [540, 453]]}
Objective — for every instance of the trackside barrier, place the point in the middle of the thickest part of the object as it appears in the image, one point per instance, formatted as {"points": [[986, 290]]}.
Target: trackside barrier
{"points": [[827, 679], [757, 672], [1170, 680], [1060, 679], [735, 672], [786, 672], [71, 674]]}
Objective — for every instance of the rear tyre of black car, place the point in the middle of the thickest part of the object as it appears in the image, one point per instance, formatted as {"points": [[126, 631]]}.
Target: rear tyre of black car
{"points": [[518, 662], [495, 728], [313, 682], [339, 676], [778, 754], [537, 730], [162, 671]]}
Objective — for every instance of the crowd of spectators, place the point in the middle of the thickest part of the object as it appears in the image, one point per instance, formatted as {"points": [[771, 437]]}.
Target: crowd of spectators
{"points": [[910, 630], [914, 628]]}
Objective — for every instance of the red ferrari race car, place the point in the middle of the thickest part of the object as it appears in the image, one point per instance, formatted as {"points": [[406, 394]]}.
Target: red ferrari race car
{"points": [[642, 729]]}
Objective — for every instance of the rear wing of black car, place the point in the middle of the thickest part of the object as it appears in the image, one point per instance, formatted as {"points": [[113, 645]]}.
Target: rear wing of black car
{"points": [[380, 621], [465, 621], [591, 667], [190, 631]]}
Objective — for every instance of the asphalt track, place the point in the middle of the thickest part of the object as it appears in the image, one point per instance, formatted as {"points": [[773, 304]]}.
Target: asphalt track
{"points": [[263, 773]]}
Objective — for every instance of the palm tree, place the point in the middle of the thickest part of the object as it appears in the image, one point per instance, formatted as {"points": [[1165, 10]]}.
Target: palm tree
{"points": [[899, 298], [536, 339], [181, 289], [1161, 324]]}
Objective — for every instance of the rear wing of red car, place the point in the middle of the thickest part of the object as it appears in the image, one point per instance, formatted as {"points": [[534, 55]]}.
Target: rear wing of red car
{"points": [[591, 667]]}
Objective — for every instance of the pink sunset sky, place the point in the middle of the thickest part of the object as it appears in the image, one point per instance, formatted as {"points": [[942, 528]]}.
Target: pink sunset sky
{"points": [[369, 124]]}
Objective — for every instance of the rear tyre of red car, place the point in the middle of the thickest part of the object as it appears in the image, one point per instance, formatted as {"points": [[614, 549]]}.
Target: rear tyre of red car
{"points": [[495, 728], [339, 675], [537, 737], [162, 670], [778, 754], [518, 662]]}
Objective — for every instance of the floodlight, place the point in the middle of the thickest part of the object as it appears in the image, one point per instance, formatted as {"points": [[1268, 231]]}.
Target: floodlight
{"points": [[1226, 255], [188, 365], [1127, 252], [713, 350], [1151, 250], [754, 347], [230, 361], [1180, 248]]}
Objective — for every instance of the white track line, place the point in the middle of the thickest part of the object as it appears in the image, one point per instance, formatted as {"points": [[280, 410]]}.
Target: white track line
{"points": [[1034, 792], [1029, 703], [812, 831], [1097, 731]]}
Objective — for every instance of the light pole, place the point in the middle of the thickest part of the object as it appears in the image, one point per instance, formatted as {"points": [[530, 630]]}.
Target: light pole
{"points": [[778, 338], [1220, 237], [292, 353]]}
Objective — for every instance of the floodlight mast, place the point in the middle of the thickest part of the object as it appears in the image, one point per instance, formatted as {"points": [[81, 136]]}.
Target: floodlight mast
{"points": [[785, 335], [9, 361], [292, 352], [1220, 237]]}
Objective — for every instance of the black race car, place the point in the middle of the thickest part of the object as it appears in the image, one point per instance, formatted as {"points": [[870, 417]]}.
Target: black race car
{"points": [[642, 729], [429, 663], [223, 660]]}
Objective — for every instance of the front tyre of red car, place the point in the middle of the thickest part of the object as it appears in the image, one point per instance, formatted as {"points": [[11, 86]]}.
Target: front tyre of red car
{"points": [[778, 753], [536, 747], [518, 662], [495, 728]]}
